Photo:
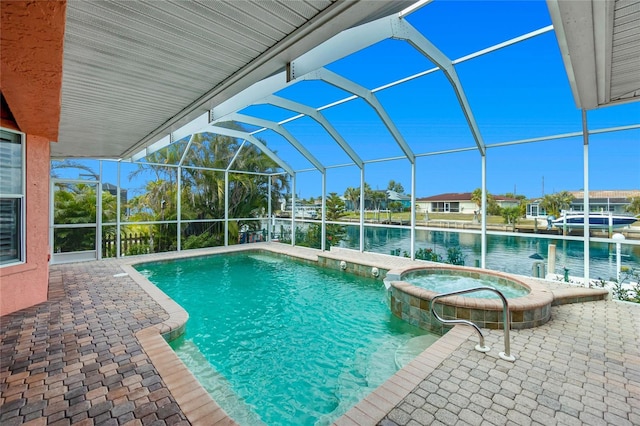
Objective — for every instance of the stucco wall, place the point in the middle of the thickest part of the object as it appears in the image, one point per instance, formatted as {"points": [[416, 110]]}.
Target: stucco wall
{"points": [[31, 52], [26, 284]]}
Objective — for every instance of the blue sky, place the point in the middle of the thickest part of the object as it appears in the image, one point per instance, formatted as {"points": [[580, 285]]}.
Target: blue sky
{"points": [[516, 93]]}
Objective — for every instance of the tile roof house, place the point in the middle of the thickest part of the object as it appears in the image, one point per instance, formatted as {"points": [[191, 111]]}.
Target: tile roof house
{"points": [[457, 202], [615, 201]]}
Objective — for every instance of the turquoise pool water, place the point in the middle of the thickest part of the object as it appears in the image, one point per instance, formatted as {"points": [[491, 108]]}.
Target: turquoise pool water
{"points": [[281, 342], [445, 283]]}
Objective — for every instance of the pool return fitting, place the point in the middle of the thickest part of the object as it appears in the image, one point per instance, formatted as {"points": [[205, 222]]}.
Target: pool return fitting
{"points": [[506, 319]]}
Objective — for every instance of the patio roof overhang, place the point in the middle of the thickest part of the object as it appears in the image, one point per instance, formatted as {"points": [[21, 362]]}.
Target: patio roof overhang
{"points": [[600, 45], [139, 76], [134, 72]]}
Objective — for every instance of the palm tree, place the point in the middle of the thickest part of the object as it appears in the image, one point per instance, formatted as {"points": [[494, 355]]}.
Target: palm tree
{"points": [[377, 197], [553, 204], [395, 186], [634, 205], [476, 197], [353, 194], [203, 189], [76, 204]]}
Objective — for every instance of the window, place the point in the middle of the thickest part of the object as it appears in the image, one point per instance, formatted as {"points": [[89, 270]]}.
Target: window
{"points": [[11, 197]]}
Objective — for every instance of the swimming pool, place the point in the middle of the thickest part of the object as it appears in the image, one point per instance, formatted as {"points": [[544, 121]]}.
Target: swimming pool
{"points": [[277, 341]]}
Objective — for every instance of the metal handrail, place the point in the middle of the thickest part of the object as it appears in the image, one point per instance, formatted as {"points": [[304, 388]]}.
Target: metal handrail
{"points": [[506, 319]]}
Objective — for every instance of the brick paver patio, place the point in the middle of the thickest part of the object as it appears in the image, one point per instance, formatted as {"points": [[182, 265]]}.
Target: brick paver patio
{"points": [[79, 359], [75, 359], [583, 367]]}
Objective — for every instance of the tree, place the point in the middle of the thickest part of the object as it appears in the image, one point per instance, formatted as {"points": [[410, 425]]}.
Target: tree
{"points": [[493, 208], [523, 202], [476, 197], [553, 204], [203, 189], [395, 206], [57, 165], [634, 205], [335, 207], [75, 204], [335, 210], [511, 215], [377, 197], [312, 237], [353, 194], [395, 186]]}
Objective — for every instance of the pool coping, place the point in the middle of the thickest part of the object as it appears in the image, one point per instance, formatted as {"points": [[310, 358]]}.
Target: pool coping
{"points": [[196, 403]]}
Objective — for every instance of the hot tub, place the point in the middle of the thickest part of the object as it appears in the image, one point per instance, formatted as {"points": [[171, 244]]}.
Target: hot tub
{"points": [[412, 303]]}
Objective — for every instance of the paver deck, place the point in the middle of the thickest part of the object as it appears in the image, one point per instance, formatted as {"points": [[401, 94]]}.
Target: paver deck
{"points": [[92, 355]]}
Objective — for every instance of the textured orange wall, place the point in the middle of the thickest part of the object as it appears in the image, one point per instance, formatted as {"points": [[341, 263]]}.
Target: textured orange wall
{"points": [[27, 284], [31, 50]]}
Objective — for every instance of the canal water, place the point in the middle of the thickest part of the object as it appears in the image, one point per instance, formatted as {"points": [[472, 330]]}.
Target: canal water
{"points": [[504, 253]]}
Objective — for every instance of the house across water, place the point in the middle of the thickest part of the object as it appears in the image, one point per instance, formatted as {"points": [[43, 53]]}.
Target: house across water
{"points": [[614, 201], [458, 202]]}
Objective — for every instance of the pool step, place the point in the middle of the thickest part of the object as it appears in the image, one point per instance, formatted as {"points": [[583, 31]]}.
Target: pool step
{"points": [[412, 348], [216, 384]]}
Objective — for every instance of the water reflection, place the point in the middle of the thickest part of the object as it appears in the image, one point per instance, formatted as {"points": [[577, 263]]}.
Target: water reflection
{"points": [[504, 253]]}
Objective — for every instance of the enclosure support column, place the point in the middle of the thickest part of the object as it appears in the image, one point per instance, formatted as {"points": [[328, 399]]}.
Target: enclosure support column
{"points": [[293, 210], [269, 229], [323, 233], [118, 207], [99, 213], [585, 138], [226, 208], [179, 209], [362, 209], [483, 225], [413, 210]]}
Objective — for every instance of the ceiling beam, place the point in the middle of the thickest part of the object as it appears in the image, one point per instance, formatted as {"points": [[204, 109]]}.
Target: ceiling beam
{"points": [[405, 31], [326, 24], [278, 128], [320, 119], [370, 98]]}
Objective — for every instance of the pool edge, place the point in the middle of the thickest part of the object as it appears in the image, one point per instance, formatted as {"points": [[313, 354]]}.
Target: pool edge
{"points": [[192, 398], [375, 406], [194, 401], [201, 409]]}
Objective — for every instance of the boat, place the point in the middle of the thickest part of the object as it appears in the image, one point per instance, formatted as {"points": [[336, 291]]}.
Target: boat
{"points": [[596, 220]]}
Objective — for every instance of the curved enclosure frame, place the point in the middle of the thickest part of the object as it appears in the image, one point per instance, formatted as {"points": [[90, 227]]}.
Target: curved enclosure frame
{"points": [[318, 66]]}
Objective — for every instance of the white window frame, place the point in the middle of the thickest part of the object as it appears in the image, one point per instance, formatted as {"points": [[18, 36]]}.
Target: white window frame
{"points": [[23, 201]]}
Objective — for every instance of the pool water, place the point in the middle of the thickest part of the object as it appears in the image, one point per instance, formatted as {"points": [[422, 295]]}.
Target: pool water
{"points": [[445, 283], [280, 342]]}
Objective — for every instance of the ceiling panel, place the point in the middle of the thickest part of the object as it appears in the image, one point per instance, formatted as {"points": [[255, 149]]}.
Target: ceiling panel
{"points": [[133, 69]]}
